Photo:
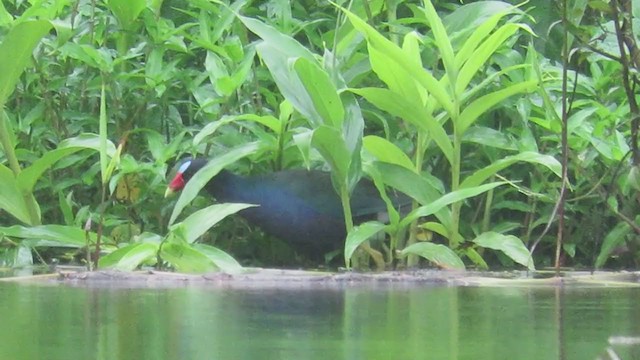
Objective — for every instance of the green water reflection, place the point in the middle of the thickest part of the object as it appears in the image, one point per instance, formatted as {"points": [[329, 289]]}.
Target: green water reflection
{"points": [[391, 322]]}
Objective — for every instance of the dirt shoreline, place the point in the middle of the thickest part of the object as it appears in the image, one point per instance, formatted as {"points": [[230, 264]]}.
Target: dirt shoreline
{"points": [[276, 278]]}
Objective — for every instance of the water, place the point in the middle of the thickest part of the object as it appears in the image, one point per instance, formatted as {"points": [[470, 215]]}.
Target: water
{"points": [[358, 322]]}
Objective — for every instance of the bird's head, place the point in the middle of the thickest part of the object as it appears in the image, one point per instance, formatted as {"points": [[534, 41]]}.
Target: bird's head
{"points": [[186, 169]]}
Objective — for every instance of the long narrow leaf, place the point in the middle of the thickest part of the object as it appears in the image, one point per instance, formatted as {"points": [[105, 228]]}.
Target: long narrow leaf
{"points": [[384, 45], [483, 174], [442, 41], [399, 106], [201, 178], [447, 199], [321, 90], [479, 106], [202, 220]]}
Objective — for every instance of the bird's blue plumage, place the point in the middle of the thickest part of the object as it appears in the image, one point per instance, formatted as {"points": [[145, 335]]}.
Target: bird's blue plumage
{"points": [[298, 206]]}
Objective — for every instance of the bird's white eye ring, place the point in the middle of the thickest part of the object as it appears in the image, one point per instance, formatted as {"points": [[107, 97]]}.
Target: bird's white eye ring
{"points": [[184, 167]]}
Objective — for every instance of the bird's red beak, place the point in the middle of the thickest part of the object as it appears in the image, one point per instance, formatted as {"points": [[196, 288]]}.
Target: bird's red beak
{"points": [[175, 185]]}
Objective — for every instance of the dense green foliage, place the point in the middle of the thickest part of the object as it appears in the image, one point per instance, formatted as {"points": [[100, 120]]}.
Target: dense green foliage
{"points": [[455, 105]]}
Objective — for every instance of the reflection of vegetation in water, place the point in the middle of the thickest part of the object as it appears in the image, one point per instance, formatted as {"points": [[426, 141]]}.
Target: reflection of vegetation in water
{"points": [[452, 108], [337, 321]]}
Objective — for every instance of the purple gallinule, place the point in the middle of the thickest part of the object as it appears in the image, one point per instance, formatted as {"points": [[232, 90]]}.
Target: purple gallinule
{"points": [[299, 207]]}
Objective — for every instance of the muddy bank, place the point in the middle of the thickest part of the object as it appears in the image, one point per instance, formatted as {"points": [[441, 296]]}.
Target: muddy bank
{"points": [[275, 278]]}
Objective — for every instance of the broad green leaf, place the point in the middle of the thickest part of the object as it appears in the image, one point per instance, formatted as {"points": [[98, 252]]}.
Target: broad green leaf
{"points": [[19, 43], [99, 59], [402, 60], [202, 220], [416, 186], [489, 137], [288, 81], [128, 258], [483, 174], [447, 199], [5, 17], [221, 259], [474, 15], [11, 199], [31, 174], [185, 258], [386, 151], [417, 115], [126, 11], [277, 50], [88, 141], [442, 230], [200, 179], [282, 43], [438, 254], [398, 79], [68, 235], [510, 245], [329, 143], [321, 90], [614, 238], [358, 235], [479, 106]]}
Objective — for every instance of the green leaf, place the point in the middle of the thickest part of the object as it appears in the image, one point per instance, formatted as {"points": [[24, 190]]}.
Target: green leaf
{"points": [[200, 179], [129, 257], [267, 120], [11, 199], [88, 141], [16, 49], [185, 258], [31, 174], [202, 220], [483, 53], [510, 245], [483, 174], [489, 137], [416, 186], [476, 39], [329, 142], [278, 51], [614, 238], [473, 111], [282, 43], [476, 258], [386, 151], [321, 90], [402, 60], [221, 259], [442, 41], [447, 199], [358, 235], [397, 105], [62, 234], [438, 254], [126, 11]]}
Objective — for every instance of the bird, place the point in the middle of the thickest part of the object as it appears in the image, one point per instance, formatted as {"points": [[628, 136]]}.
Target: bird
{"points": [[298, 206]]}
